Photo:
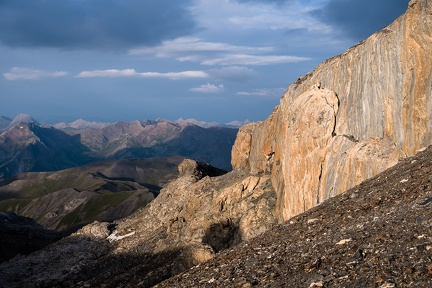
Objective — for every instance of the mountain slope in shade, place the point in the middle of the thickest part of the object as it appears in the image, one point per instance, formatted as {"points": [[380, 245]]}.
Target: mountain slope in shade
{"points": [[103, 191], [21, 235], [29, 147], [194, 216]]}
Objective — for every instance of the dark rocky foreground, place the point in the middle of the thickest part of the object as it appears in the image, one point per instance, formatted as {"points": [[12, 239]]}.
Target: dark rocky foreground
{"points": [[22, 235], [378, 234], [193, 217]]}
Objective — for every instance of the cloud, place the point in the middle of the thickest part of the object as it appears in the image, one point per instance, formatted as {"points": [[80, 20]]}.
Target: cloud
{"points": [[280, 2], [187, 45], [114, 73], [17, 73], [196, 50], [250, 17], [360, 18], [108, 73], [263, 92], [245, 59], [93, 24], [208, 88], [233, 73]]}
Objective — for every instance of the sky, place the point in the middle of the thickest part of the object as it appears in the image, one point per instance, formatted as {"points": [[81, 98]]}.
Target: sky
{"points": [[212, 60]]}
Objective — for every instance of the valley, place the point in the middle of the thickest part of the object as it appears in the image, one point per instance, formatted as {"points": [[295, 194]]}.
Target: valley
{"points": [[104, 191]]}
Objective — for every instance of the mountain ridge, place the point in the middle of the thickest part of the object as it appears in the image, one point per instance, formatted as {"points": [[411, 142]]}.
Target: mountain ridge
{"points": [[6, 122]]}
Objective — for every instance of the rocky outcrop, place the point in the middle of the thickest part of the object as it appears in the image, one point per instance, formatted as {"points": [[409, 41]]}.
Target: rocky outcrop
{"points": [[197, 209], [193, 218], [355, 115]]}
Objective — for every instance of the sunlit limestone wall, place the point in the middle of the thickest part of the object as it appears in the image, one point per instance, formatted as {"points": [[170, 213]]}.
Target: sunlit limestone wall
{"points": [[354, 116]]}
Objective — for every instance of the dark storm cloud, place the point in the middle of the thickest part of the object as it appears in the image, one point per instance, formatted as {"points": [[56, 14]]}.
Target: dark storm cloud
{"points": [[359, 19], [92, 24]]}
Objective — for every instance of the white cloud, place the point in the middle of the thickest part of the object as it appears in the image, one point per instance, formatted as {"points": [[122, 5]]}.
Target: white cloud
{"points": [[17, 73], [244, 59], [215, 53], [233, 73], [187, 45], [132, 73], [208, 88], [175, 75], [264, 92], [107, 73]]}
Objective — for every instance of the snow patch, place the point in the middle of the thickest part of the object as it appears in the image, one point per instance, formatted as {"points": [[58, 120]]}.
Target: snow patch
{"points": [[114, 237]]}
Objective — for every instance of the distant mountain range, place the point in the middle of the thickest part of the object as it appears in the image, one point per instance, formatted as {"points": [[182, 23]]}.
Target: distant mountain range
{"points": [[6, 123], [80, 124], [26, 145]]}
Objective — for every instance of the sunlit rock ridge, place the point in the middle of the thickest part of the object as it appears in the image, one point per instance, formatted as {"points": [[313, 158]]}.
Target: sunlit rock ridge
{"points": [[354, 116]]}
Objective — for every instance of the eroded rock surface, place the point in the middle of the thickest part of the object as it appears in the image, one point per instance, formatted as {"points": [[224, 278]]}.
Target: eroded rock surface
{"points": [[354, 116], [192, 219]]}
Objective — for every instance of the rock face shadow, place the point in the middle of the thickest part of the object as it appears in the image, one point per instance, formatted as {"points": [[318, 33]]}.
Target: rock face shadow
{"points": [[222, 235]]}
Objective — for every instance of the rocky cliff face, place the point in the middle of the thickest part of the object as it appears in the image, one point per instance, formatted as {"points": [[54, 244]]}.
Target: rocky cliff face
{"points": [[354, 116]]}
